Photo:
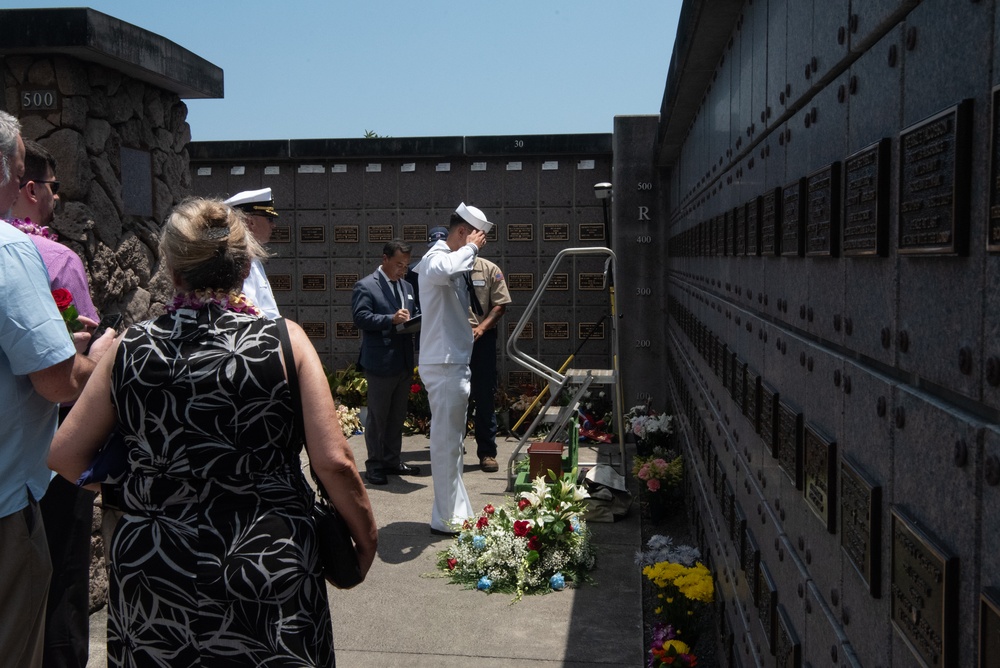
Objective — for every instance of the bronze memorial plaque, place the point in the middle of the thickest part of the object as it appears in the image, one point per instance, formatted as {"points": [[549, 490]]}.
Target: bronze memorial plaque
{"points": [[281, 234], [313, 282], [280, 282], [861, 524], [346, 234], [993, 222], [866, 202], [770, 222], [379, 234], [520, 232], [789, 442], [519, 378], [934, 183], [591, 231], [823, 212], [819, 475], [738, 528], [767, 603], [924, 593], [559, 282], [729, 233], [344, 281], [315, 330], [753, 226], [787, 647], [749, 560], [792, 219], [590, 330], [527, 333], [590, 280], [344, 330], [414, 233], [312, 234], [989, 628], [738, 386], [769, 417], [520, 282], [751, 402], [555, 331], [555, 232], [740, 230], [728, 504]]}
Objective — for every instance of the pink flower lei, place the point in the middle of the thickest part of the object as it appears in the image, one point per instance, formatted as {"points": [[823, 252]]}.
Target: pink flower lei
{"points": [[29, 227], [236, 302]]}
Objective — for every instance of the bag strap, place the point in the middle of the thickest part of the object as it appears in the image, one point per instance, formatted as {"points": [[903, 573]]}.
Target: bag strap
{"points": [[293, 380], [293, 388]]}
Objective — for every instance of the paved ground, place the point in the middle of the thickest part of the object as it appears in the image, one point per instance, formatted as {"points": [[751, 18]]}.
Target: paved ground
{"points": [[405, 613]]}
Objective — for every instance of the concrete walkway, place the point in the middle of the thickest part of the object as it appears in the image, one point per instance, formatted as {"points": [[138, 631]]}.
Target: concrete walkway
{"points": [[404, 613]]}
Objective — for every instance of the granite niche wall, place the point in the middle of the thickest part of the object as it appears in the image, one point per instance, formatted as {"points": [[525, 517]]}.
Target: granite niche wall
{"points": [[832, 333]]}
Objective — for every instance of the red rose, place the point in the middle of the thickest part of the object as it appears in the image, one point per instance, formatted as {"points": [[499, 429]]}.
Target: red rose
{"points": [[521, 528], [522, 504], [534, 543], [414, 389], [489, 509], [63, 297], [482, 522], [452, 563]]}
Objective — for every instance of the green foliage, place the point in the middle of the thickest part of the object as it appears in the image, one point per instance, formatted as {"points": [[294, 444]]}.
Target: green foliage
{"points": [[349, 387]]}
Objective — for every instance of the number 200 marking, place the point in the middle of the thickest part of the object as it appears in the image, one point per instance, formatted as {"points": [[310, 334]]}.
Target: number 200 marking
{"points": [[643, 343]]}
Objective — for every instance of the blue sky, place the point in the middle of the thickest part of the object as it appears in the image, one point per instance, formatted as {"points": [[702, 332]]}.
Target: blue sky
{"points": [[414, 68]]}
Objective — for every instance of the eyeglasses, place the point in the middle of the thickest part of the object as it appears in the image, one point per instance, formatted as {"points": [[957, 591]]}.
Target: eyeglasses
{"points": [[53, 185]]}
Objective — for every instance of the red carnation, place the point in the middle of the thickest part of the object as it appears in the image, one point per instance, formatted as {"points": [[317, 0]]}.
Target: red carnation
{"points": [[415, 388]]}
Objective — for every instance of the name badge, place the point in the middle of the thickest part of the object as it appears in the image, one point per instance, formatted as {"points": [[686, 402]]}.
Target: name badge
{"points": [[478, 284]]}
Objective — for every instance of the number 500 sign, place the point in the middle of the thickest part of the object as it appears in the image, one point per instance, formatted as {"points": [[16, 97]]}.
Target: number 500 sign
{"points": [[35, 100]]}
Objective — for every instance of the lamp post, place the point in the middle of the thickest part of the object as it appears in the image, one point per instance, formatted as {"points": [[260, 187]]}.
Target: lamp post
{"points": [[602, 191]]}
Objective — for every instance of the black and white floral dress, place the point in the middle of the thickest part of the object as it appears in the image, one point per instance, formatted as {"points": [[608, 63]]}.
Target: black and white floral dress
{"points": [[214, 562]]}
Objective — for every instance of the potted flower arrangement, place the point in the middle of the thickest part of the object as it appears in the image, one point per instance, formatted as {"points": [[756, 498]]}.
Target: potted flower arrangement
{"points": [[418, 408], [651, 429], [534, 544], [350, 420], [349, 387], [660, 475], [683, 587]]}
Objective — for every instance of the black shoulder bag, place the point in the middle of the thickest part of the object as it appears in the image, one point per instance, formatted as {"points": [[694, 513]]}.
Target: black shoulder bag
{"points": [[337, 553]]}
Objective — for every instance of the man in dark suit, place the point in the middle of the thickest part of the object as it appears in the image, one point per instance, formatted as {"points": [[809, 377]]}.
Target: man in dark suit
{"points": [[381, 301]]}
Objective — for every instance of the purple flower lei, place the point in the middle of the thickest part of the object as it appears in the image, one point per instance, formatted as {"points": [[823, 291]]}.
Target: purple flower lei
{"points": [[230, 301], [29, 227]]}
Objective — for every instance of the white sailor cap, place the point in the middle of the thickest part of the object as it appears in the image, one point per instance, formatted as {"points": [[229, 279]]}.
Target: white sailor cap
{"points": [[474, 217], [254, 202]]}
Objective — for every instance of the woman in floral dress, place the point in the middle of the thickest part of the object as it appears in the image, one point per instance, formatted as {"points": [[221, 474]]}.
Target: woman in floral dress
{"points": [[214, 562]]}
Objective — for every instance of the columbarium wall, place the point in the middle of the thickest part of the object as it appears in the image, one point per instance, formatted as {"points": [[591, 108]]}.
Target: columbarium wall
{"points": [[832, 332]]}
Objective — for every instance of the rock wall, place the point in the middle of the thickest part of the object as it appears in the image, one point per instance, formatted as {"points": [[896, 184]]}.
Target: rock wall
{"points": [[102, 112]]}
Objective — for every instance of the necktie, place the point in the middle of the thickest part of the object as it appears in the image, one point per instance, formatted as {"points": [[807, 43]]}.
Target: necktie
{"points": [[395, 291], [477, 308]]}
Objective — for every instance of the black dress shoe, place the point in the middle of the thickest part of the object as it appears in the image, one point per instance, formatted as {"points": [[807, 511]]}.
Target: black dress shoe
{"points": [[376, 477], [438, 532], [404, 469]]}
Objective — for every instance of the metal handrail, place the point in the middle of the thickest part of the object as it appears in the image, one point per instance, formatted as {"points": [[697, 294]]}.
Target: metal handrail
{"points": [[520, 356]]}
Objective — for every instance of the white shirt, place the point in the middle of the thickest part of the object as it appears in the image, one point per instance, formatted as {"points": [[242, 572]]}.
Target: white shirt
{"points": [[445, 336], [258, 290]]}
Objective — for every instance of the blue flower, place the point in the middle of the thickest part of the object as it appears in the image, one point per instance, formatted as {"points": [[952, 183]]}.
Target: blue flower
{"points": [[478, 542], [557, 582], [484, 584], [574, 524]]}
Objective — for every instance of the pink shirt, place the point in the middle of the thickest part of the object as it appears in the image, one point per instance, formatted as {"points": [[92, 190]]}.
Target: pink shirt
{"points": [[66, 271]]}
